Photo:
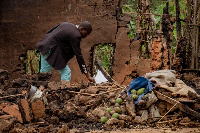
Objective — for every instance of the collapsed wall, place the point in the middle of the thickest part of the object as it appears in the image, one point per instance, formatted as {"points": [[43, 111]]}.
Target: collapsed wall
{"points": [[23, 23]]}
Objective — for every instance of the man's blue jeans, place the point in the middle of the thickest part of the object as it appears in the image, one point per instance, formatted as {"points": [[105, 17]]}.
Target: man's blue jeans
{"points": [[46, 67]]}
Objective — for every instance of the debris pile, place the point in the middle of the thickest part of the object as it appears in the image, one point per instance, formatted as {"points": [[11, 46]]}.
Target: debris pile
{"points": [[37, 105]]}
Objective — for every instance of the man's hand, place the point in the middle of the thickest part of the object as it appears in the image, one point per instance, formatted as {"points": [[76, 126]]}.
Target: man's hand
{"points": [[90, 78]]}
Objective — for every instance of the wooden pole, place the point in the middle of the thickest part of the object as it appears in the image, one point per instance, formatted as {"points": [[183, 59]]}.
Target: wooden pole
{"points": [[106, 75], [194, 38], [197, 42], [11, 96], [167, 112], [178, 23]]}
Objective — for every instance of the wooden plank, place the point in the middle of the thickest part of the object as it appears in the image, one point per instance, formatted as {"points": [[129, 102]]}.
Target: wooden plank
{"points": [[106, 75], [182, 107]]}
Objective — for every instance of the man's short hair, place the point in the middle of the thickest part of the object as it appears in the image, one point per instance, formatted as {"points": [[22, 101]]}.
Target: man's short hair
{"points": [[86, 25]]}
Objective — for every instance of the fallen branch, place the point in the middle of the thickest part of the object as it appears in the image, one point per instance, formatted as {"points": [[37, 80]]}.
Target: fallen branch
{"points": [[170, 121], [182, 107], [82, 93], [106, 75], [12, 96], [167, 112], [109, 91]]}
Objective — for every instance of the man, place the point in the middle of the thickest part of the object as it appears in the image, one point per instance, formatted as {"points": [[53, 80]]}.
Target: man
{"points": [[60, 44]]}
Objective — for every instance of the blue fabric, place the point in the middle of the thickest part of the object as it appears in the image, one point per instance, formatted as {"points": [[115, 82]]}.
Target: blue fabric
{"points": [[138, 83], [46, 67]]}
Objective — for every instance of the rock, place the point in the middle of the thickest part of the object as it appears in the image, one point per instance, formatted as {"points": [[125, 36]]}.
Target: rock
{"points": [[92, 90], [6, 125], [151, 99], [94, 102], [144, 116], [123, 109], [112, 101], [99, 112], [43, 129], [126, 118], [137, 120], [82, 100], [107, 114], [185, 120], [64, 129], [130, 107], [154, 112], [111, 95], [114, 123], [54, 120]]}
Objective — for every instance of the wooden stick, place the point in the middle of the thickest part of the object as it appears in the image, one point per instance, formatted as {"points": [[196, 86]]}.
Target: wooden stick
{"points": [[104, 86], [167, 112], [94, 94], [12, 96], [109, 91], [163, 122], [82, 93], [106, 75]]}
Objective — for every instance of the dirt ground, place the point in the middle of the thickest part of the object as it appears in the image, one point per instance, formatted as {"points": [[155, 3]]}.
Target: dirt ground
{"points": [[152, 130], [78, 107]]}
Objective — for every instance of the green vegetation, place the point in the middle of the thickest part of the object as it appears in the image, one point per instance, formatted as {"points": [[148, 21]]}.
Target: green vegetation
{"points": [[118, 100], [135, 97], [155, 8], [115, 115], [140, 91], [103, 119], [32, 62], [104, 54]]}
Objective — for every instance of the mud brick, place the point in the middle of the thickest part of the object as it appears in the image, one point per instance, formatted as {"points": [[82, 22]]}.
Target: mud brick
{"points": [[64, 129], [14, 111], [44, 76], [25, 110], [20, 83], [92, 90], [53, 85], [6, 125], [38, 109], [40, 83], [5, 117], [65, 84]]}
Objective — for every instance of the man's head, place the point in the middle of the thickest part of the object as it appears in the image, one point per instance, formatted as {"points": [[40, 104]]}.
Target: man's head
{"points": [[85, 29]]}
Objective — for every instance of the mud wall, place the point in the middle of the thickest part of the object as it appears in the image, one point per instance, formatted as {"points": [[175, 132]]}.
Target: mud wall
{"points": [[24, 22]]}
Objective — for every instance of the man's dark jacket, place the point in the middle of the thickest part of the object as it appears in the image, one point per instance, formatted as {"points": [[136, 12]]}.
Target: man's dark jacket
{"points": [[63, 42]]}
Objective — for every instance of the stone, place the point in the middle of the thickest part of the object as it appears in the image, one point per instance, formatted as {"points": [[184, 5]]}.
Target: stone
{"points": [[54, 120], [6, 125]]}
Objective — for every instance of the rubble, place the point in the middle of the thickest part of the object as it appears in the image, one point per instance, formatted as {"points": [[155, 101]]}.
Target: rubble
{"points": [[63, 106]]}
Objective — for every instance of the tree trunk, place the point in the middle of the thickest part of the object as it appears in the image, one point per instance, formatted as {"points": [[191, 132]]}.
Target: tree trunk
{"points": [[178, 23], [194, 38]]}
